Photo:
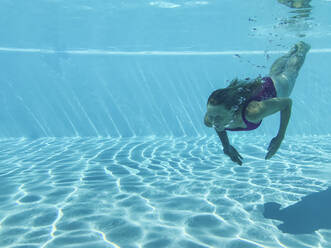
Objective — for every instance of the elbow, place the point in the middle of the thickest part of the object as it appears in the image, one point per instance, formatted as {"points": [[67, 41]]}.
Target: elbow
{"points": [[290, 101], [289, 105]]}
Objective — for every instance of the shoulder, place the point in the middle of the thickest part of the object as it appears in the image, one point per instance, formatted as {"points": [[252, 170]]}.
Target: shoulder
{"points": [[257, 110], [253, 110]]}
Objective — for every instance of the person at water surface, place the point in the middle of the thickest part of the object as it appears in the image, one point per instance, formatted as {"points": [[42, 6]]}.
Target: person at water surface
{"points": [[244, 103]]}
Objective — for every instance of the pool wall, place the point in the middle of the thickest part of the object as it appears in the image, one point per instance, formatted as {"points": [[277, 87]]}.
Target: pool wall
{"points": [[81, 68]]}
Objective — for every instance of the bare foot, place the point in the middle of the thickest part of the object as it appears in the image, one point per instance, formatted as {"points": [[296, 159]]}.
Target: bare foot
{"points": [[300, 48]]}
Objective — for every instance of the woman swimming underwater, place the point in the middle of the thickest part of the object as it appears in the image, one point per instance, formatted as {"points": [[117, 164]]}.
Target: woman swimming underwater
{"points": [[242, 105]]}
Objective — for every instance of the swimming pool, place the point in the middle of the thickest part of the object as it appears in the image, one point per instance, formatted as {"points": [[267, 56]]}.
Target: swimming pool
{"points": [[102, 135]]}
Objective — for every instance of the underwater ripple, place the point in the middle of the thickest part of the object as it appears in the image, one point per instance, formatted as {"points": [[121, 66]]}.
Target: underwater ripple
{"points": [[154, 192]]}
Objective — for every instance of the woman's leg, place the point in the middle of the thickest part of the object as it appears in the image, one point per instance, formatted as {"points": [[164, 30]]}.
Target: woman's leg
{"points": [[285, 69]]}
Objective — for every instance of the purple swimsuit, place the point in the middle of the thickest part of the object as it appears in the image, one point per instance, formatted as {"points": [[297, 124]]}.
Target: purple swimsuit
{"points": [[268, 91]]}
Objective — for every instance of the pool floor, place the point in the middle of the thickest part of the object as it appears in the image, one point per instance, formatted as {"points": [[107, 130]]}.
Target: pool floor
{"points": [[158, 192]]}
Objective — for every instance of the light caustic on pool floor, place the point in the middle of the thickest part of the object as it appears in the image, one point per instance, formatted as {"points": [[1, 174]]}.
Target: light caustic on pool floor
{"points": [[153, 192]]}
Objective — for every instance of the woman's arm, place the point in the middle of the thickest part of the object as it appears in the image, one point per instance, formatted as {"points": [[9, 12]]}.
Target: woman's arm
{"points": [[285, 115], [224, 138], [256, 111], [229, 149]]}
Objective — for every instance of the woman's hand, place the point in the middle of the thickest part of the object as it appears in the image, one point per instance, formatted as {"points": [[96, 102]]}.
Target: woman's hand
{"points": [[233, 154], [273, 146]]}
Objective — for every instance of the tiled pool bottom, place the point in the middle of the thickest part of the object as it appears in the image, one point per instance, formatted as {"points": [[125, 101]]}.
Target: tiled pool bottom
{"points": [[156, 192]]}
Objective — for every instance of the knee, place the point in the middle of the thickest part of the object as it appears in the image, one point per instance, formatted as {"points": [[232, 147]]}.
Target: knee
{"points": [[282, 84]]}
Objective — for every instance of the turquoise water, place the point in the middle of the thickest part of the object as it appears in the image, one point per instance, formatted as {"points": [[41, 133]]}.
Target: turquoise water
{"points": [[102, 141], [162, 192]]}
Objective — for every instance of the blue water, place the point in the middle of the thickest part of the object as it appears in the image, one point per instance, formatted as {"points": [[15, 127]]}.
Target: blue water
{"points": [[161, 192], [102, 141]]}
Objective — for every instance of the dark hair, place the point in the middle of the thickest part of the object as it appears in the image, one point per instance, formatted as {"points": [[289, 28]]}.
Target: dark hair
{"points": [[236, 94]]}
